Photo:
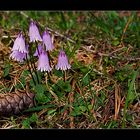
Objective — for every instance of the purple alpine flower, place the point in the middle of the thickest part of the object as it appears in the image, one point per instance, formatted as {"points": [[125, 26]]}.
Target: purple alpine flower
{"points": [[34, 32], [19, 56], [47, 40], [43, 62], [19, 44], [62, 61], [40, 49]]}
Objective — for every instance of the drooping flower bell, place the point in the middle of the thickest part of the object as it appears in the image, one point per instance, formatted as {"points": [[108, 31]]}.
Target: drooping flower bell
{"points": [[43, 62], [47, 40], [19, 56], [62, 61], [38, 51], [19, 44], [34, 32]]}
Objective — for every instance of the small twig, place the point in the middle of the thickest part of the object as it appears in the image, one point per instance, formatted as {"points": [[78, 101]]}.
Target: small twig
{"points": [[49, 29], [117, 101], [111, 55], [126, 58], [6, 36], [120, 58], [125, 28], [100, 73], [119, 49], [9, 127]]}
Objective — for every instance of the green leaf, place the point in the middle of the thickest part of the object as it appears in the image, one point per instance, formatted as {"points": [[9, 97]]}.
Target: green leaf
{"points": [[107, 60], [115, 42], [67, 86], [73, 113], [64, 86], [26, 123], [32, 83], [60, 83], [38, 108], [40, 96], [23, 81], [84, 70], [51, 111], [6, 70], [77, 111], [34, 118], [90, 107], [131, 95], [25, 73], [58, 73], [39, 89], [83, 108], [86, 80]]}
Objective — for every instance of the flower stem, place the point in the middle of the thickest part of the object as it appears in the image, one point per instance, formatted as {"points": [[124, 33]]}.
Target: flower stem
{"points": [[34, 67], [65, 74], [30, 70], [37, 48], [48, 53], [49, 57]]}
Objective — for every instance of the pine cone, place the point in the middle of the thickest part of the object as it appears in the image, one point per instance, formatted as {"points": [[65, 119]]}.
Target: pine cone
{"points": [[12, 104]]}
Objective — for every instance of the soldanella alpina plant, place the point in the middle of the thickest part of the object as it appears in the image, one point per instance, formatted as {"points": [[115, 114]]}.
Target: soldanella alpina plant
{"points": [[43, 62], [19, 44], [23, 51], [34, 32], [38, 50], [62, 61], [47, 41]]}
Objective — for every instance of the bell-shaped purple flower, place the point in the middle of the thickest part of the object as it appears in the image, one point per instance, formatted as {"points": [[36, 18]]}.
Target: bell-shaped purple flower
{"points": [[43, 62], [47, 40], [62, 61], [38, 51], [19, 56], [19, 44], [34, 32]]}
